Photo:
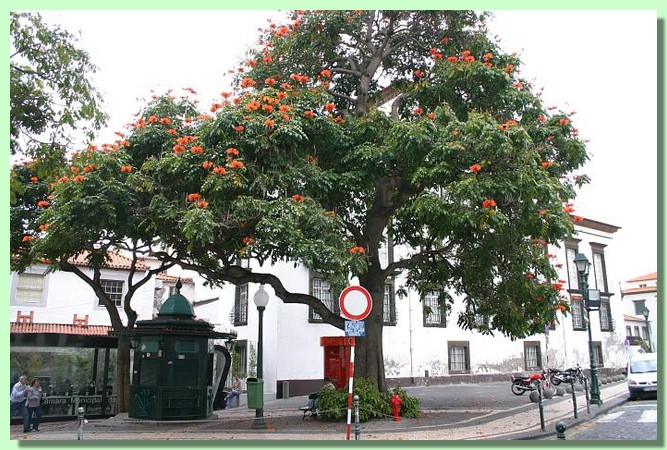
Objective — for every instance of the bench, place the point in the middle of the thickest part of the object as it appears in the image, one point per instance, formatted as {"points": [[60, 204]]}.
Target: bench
{"points": [[311, 408]]}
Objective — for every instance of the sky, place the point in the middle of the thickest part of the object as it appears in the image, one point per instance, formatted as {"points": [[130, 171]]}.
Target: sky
{"points": [[600, 64]]}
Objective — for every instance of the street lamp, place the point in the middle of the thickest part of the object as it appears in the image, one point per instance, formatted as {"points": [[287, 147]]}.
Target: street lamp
{"points": [[261, 299], [583, 267], [648, 330]]}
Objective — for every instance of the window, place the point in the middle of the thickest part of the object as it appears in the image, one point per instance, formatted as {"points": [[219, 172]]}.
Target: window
{"points": [[644, 333], [606, 323], [628, 331], [459, 357], [241, 305], [434, 313], [389, 305], [321, 288], [114, 290], [597, 354], [481, 321], [532, 355], [599, 274], [30, 288], [572, 275], [577, 311], [636, 331], [639, 307]]}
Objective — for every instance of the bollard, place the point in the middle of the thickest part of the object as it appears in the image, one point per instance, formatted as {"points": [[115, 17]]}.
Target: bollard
{"points": [[357, 426], [574, 399], [588, 397], [80, 416], [540, 404], [560, 429]]}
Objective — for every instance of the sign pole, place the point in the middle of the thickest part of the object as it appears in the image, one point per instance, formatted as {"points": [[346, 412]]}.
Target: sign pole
{"points": [[350, 387]]}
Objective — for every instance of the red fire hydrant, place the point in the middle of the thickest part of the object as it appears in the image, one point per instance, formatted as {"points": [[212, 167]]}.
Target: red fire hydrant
{"points": [[396, 403]]}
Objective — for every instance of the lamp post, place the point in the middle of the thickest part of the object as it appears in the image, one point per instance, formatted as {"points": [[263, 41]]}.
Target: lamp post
{"points": [[261, 299], [583, 267], [648, 330]]}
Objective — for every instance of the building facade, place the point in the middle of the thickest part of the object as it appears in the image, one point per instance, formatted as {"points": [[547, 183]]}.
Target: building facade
{"points": [[420, 344], [640, 308]]}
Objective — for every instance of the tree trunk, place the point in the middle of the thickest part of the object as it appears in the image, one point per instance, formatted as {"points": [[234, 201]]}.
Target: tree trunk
{"points": [[369, 357], [123, 374]]}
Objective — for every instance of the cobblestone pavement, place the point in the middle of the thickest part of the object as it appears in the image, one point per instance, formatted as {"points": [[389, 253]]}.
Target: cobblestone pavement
{"points": [[284, 422]]}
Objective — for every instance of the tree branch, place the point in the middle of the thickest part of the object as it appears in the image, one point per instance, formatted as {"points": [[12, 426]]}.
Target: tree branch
{"points": [[238, 275]]}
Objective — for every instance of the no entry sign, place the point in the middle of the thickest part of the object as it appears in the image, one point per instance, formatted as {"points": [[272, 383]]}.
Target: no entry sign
{"points": [[355, 302]]}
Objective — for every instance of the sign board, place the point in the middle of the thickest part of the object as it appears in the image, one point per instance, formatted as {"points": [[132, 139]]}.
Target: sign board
{"points": [[355, 302], [355, 328]]}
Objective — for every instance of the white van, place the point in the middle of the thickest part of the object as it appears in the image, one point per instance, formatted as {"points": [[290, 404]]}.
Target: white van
{"points": [[643, 375]]}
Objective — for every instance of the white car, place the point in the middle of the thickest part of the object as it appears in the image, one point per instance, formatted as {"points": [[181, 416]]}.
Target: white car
{"points": [[643, 375]]}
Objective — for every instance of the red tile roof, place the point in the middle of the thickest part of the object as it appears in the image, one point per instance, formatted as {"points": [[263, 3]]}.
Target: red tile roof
{"points": [[648, 276], [115, 261], [641, 290], [633, 318], [59, 328], [163, 276]]}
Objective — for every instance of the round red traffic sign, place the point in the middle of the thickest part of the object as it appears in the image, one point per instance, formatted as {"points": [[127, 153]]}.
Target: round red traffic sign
{"points": [[355, 302]]}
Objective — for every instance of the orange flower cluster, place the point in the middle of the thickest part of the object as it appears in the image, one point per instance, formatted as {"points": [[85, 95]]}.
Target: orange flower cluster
{"points": [[248, 82], [236, 164], [283, 31], [207, 164], [510, 123], [489, 203], [309, 114], [197, 150], [219, 170], [326, 73], [34, 179], [202, 204], [63, 179], [564, 122], [126, 168], [418, 111], [43, 227], [239, 128], [194, 197], [298, 198], [577, 218], [560, 308], [542, 118], [27, 238], [546, 164], [418, 73], [300, 78], [357, 250], [329, 106], [43, 204], [78, 179], [568, 208], [231, 151], [475, 168]]}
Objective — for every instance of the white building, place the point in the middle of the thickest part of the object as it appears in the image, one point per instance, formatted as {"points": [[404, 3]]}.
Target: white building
{"points": [[418, 348], [640, 297]]}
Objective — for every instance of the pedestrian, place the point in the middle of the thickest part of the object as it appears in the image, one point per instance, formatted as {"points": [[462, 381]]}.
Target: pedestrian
{"points": [[234, 393], [17, 401], [34, 401]]}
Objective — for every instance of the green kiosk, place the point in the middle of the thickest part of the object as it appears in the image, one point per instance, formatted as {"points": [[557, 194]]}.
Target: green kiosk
{"points": [[177, 368]]}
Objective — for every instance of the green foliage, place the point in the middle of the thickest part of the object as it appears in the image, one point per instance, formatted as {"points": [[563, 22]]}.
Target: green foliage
{"points": [[373, 404], [50, 91]]}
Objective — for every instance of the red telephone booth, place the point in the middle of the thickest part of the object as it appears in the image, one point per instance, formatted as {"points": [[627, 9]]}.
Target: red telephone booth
{"points": [[337, 359]]}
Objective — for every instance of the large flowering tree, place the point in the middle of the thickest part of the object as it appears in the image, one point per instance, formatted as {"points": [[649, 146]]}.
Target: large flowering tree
{"points": [[348, 128]]}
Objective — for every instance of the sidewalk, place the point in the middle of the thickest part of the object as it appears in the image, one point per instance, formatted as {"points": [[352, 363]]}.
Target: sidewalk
{"points": [[284, 422]]}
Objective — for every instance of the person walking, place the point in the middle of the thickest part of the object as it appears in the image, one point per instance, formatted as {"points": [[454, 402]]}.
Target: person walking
{"points": [[17, 401], [34, 401]]}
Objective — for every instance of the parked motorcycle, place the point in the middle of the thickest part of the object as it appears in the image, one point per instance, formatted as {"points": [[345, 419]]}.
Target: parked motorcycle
{"points": [[567, 375], [522, 383]]}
